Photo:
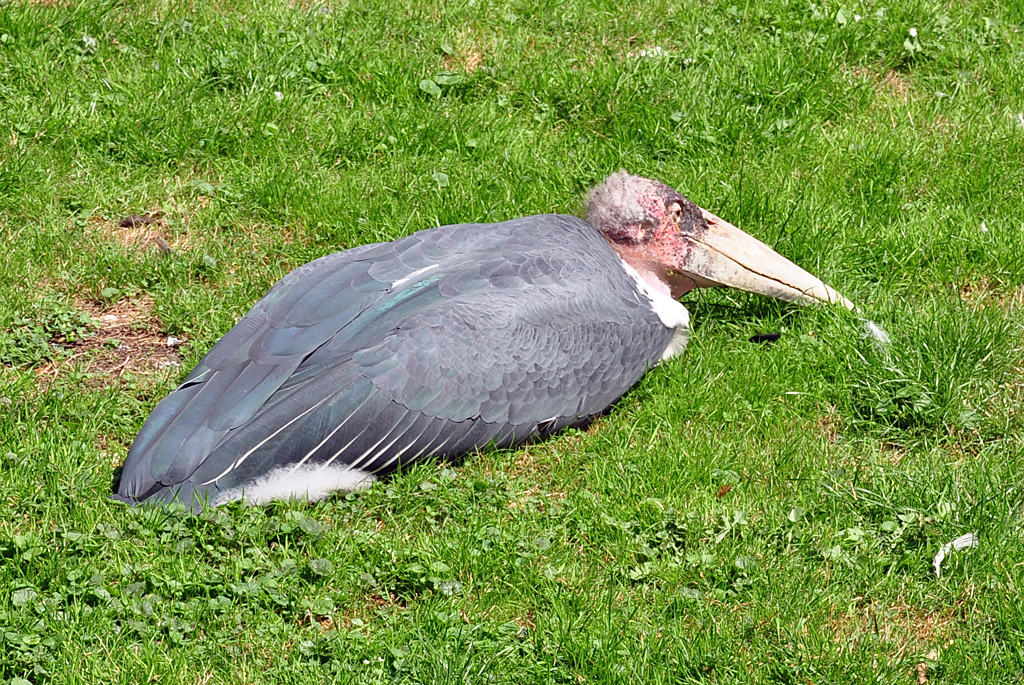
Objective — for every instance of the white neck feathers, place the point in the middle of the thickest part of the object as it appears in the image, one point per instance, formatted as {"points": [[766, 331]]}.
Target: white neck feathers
{"points": [[671, 312]]}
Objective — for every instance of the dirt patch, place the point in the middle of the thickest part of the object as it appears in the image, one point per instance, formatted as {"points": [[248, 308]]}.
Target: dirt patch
{"points": [[531, 461], [905, 629], [467, 57], [314, 620], [829, 425], [474, 59], [978, 289], [525, 622], [890, 83], [897, 84], [983, 292], [135, 233], [152, 229], [262, 238], [128, 339]]}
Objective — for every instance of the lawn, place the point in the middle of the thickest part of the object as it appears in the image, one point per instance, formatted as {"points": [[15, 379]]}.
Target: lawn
{"points": [[748, 513]]}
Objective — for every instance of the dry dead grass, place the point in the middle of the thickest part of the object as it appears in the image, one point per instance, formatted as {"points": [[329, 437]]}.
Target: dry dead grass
{"points": [[150, 230], [983, 292], [260, 237], [896, 84], [890, 83], [526, 622], [136, 233], [467, 56], [829, 425], [904, 630], [941, 125]]}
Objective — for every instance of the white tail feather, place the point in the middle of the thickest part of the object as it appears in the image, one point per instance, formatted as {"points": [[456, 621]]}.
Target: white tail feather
{"points": [[308, 482]]}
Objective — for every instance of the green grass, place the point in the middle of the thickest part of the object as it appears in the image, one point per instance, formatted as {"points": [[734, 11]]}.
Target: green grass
{"points": [[748, 513]]}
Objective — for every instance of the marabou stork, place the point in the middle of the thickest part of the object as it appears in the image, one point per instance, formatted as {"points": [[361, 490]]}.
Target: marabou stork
{"points": [[444, 342]]}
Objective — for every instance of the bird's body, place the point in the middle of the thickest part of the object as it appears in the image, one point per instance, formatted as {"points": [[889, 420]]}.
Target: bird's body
{"points": [[449, 340], [438, 344]]}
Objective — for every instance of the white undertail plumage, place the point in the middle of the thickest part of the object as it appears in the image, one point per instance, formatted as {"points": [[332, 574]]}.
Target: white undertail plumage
{"points": [[309, 482]]}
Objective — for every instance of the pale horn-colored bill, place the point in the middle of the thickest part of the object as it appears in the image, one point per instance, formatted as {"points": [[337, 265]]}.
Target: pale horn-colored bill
{"points": [[726, 256]]}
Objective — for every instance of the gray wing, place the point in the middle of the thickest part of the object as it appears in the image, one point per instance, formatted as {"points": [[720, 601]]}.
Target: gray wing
{"points": [[437, 344]]}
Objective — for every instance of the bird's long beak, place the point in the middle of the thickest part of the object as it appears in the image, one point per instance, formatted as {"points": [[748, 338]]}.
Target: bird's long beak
{"points": [[725, 256]]}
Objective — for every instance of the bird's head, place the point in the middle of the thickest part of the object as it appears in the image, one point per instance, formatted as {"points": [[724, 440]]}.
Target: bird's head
{"points": [[677, 246]]}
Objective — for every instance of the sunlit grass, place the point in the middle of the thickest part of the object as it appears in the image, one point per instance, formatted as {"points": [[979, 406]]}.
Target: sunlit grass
{"points": [[749, 512]]}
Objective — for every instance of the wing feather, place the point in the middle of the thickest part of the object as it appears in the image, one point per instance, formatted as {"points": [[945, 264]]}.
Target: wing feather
{"points": [[187, 434]]}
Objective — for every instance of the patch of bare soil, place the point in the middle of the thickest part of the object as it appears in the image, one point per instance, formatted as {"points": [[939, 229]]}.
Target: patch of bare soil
{"points": [[137, 232], [891, 82], [128, 339], [983, 292], [149, 230], [829, 425], [467, 57], [897, 84], [904, 629]]}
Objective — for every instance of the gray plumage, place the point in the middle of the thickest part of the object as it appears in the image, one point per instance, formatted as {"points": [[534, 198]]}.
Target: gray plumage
{"points": [[446, 341]]}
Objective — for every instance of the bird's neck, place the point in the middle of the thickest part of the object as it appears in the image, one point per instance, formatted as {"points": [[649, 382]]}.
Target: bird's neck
{"points": [[654, 274]]}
